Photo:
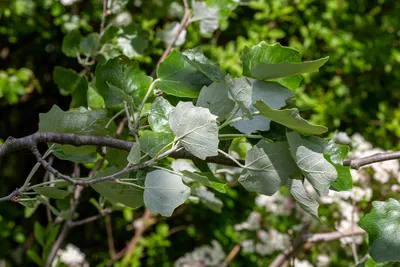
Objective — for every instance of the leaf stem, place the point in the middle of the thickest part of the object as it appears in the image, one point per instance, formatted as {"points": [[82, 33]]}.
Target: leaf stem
{"points": [[149, 90], [115, 116], [167, 170], [230, 121], [231, 158]]}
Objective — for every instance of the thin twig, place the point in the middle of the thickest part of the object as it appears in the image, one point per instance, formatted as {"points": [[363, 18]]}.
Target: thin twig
{"points": [[357, 163], [353, 240], [102, 214], [110, 238], [231, 255], [182, 26], [66, 227], [103, 18]]}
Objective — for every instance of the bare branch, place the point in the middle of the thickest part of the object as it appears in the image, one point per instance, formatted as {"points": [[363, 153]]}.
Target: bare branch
{"points": [[182, 26], [303, 238], [92, 218], [379, 157]]}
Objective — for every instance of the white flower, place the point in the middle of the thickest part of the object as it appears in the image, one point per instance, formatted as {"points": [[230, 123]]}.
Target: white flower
{"points": [[253, 222], [323, 260], [72, 256], [68, 2], [248, 246], [123, 19], [277, 204], [302, 263], [203, 256]]}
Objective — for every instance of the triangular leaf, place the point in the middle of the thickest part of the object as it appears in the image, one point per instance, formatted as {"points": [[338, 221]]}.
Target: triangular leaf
{"points": [[276, 166], [215, 97], [207, 179], [70, 44], [134, 154], [240, 90], [152, 142], [73, 83], [51, 192], [159, 115], [201, 63]]}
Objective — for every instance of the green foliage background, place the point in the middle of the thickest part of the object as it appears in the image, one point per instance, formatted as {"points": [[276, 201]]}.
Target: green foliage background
{"points": [[358, 90]]}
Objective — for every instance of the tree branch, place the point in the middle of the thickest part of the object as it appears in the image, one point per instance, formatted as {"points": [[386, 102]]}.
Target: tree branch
{"points": [[303, 238], [357, 163]]}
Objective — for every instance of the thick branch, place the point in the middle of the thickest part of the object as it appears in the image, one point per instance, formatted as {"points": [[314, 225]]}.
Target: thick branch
{"points": [[357, 163], [13, 144]]}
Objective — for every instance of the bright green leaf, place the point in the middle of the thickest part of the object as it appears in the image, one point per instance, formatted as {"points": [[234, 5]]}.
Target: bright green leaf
{"points": [[310, 159], [179, 78], [289, 118], [51, 192], [134, 154], [95, 101], [164, 191], [196, 129], [124, 74], [216, 98], [207, 179], [39, 233], [159, 115], [83, 154], [34, 257], [152, 142], [382, 225], [76, 121]]}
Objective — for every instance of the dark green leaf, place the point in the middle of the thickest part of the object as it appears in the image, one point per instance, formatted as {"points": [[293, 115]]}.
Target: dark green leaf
{"points": [[128, 195], [70, 44], [89, 44], [73, 83], [53, 210], [196, 129], [122, 95], [382, 225], [39, 233], [117, 157], [152, 142], [289, 118], [216, 98], [108, 34], [133, 40], [77, 121], [159, 115], [34, 257], [201, 63], [179, 78], [123, 74], [83, 154], [51, 192], [207, 179]]}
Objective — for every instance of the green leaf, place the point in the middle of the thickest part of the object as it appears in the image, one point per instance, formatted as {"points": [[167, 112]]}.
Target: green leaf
{"points": [[117, 157], [164, 191], [109, 33], [207, 179], [225, 7], [133, 40], [123, 74], [159, 113], [70, 44], [34, 257], [299, 193], [273, 94], [179, 78], [208, 199], [52, 209], [39, 233], [196, 128], [152, 142], [122, 95], [76, 121], [95, 101], [216, 98], [83, 154], [310, 159], [275, 164], [134, 154], [73, 83], [51, 192], [88, 45], [268, 62], [128, 195], [382, 225], [201, 63], [240, 90], [371, 263], [289, 118]]}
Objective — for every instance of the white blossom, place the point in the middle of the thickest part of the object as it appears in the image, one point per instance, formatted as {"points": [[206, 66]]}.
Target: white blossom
{"points": [[203, 256], [253, 222], [71, 256]]}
